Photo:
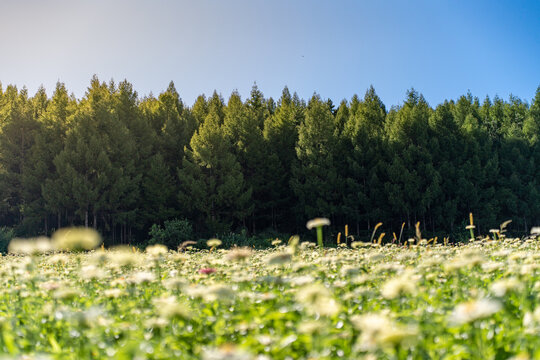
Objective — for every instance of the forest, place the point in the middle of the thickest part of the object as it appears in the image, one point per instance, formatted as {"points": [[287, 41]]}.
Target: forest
{"points": [[121, 163]]}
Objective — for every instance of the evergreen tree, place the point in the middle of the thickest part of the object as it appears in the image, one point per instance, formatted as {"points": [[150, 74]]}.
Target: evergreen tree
{"points": [[50, 137], [314, 177], [244, 125], [413, 182], [363, 153], [531, 126], [177, 124], [212, 185], [97, 165], [280, 136], [17, 131]]}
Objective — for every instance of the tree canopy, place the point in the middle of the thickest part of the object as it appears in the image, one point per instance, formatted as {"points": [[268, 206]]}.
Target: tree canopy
{"points": [[121, 163]]}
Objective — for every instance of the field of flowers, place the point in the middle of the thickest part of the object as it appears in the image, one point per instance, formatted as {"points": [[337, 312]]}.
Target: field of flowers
{"points": [[297, 301]]}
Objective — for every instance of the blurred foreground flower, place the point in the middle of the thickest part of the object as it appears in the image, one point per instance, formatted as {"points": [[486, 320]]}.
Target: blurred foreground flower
{"points": [[474, 310], [31, 246], [170, 308], [239, 254], [207, 271], [76, 239], [379, 331], [226, 352], [317, 299], [279, 258], [318, 223], [157, 250], [213, 243], [402, 285], [501, 287]]}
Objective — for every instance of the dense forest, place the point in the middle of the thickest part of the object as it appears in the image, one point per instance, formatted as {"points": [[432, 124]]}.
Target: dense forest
{"points": [[120, 163]]}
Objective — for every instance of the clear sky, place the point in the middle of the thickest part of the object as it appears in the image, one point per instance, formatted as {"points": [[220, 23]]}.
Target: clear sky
{"points": [[336, 48]]}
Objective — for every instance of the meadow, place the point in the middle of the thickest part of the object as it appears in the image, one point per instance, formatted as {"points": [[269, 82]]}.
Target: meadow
{"points": [[292, 301]]}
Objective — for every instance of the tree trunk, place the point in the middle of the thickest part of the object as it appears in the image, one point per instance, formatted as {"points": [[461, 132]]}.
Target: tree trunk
{"points": [[86, 219]]}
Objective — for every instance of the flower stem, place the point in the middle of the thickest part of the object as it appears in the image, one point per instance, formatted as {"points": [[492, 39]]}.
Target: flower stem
{"points": [[319, 237]]}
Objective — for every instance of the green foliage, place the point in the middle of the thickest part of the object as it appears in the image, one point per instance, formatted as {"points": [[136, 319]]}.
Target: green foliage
{"points": [[212, 185], [314, 177], [172, 234], [121, 163], [6, 235]]}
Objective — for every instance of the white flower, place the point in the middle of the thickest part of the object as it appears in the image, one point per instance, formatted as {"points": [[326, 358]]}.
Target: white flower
{"points": [[213, 243], [113, 293], [379, 331], [123, 256], [157, 250], [474, 310], [531, 321], [212, 293], [170, 307], [317, 222], [142, 277], [91, 272], [239, 254], [492, 266], [226, 352], [317, 300], [279, 258], [501, 287], [32, 246], [399, 286], [76, 239]]}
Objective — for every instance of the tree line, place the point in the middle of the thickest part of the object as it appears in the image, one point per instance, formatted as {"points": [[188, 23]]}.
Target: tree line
{"points": [[120, 163]]}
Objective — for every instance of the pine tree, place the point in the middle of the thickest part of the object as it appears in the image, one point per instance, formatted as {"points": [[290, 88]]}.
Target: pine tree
{"points": [[49, 142], [17, 132], [199, 110], [212, 184], [97, 165], [280, 134], [177, 124], [531, 126], [413, 182], [243, 124], [363, 153], [314, 177]]}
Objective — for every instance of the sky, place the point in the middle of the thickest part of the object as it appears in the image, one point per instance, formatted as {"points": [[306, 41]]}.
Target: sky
{"points": [[337, 48]]}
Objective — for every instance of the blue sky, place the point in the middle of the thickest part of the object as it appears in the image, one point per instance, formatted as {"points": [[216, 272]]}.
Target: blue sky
{"points": [[335, 48]]}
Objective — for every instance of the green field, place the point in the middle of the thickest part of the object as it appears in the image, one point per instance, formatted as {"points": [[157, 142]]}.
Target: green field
{"points": [[476, 301]]}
